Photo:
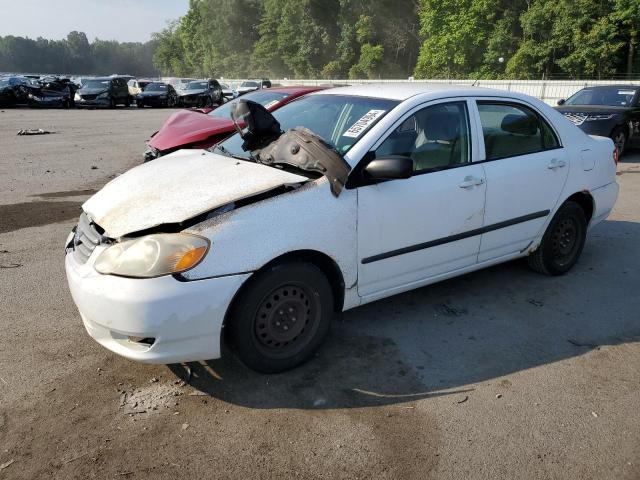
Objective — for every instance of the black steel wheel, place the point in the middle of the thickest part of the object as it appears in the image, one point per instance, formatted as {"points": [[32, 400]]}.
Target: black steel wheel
{"points": [[563, 241], [281, 317]]}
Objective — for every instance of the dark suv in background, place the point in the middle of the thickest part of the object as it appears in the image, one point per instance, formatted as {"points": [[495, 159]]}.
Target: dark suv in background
{"points": [[201, 93], [608, 111], [104, 92]]}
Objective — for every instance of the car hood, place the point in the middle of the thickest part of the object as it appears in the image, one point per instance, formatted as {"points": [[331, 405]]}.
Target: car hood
{"points": [[179, 187], [186, 93], [185, 127], [92, 91], [599, 109], [152, 94]]}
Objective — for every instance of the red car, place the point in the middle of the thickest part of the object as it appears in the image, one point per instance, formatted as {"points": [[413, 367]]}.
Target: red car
{"points": [[197, 129]]}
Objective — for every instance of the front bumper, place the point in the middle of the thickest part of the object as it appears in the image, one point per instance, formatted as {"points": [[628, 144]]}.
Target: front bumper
{"points": [[151, 101], [102, 102], [184, 319]]}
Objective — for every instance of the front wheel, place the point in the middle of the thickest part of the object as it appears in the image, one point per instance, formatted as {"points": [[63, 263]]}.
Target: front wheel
{"points": [[563, 241], [281, 317]]}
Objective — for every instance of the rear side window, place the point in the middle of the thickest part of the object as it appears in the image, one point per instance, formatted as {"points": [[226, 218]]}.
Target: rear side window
{"points": [[510, 130]]}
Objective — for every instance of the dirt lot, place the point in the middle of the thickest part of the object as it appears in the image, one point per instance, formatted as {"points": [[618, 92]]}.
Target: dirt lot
{"points": [[498, 374]]}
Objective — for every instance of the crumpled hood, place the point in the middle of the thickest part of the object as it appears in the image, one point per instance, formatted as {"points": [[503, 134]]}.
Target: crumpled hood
{"points": [[185, 127], [178, 187]]}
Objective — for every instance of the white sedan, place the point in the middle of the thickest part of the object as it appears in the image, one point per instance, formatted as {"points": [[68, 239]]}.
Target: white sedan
{"points": [[387, 188]]}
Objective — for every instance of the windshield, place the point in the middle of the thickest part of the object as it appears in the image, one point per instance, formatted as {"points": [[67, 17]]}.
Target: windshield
{"points": [[340, 120], [156, 87], [96, 84], [614, 97], [197, 85], [249, 84], [267, 99]]}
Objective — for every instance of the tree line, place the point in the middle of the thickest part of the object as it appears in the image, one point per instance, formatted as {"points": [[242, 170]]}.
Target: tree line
{"points": [[354, 39], [401, 38], [76, 55]]}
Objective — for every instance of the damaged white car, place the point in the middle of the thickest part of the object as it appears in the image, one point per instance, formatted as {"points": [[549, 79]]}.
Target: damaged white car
{"points": [[347, 196]]}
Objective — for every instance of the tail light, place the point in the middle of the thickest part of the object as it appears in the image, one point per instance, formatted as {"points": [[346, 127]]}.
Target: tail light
{"points": [[615, 156]]}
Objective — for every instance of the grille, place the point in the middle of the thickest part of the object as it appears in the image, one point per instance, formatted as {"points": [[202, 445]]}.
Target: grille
{"points": [[89, 97], [86, 239], [576, 118]]}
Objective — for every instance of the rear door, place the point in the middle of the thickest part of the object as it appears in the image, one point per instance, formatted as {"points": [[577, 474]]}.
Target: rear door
{"points": [[526, 169]]}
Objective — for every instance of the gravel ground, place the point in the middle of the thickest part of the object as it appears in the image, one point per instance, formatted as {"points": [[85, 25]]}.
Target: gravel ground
{"points": [[498, 374]]}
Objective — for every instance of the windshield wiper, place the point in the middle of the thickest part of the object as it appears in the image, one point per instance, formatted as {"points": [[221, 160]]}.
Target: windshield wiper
{"points": [[227, 153]]}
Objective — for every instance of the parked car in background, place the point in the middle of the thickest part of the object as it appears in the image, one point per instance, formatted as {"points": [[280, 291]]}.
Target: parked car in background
{"points": [[53, 92], [228, 92], [181, 84], [157, 94], [609, 111], [137, 86], [103, 92], [193, 129], [341, 198], [202, 93], [15, 90], [251, 85]]}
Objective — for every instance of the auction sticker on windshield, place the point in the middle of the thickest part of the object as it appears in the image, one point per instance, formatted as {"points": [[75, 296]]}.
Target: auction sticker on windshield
{"points": [[361, 125]]}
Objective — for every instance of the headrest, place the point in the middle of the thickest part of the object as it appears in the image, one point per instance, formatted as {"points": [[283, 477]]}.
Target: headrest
{"points": [[443, 126], [520, 124]]}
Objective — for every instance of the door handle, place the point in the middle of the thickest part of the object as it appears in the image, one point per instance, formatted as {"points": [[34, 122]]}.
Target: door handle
{"points": [[471, 181], [555, 163]]}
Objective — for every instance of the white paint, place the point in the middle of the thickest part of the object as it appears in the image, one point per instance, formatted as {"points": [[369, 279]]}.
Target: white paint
{"points": [[186, 316], [177, 187]]}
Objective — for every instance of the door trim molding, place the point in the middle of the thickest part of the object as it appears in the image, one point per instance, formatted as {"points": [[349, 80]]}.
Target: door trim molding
{"points": [[455, 238]]}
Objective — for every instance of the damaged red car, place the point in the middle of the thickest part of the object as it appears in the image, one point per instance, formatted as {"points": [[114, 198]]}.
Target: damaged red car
{"points": [[195, 129]]}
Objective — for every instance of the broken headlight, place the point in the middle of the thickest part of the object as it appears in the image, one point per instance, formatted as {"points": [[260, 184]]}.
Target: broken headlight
{"points": [[153, 255]]}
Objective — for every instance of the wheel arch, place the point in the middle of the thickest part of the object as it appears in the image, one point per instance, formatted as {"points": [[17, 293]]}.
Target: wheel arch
{"points": [[586, 202], [321, 260]]}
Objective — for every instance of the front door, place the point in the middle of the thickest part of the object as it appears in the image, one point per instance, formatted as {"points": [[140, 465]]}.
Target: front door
{"points": [[418, 228]]}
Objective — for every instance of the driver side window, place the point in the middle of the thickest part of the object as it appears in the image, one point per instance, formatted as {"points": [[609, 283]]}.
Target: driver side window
{"points": [[435, 137]]}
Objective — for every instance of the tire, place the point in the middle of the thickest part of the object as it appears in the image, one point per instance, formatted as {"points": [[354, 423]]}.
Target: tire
{"points": [[562, 243], [281, 317], [127, 102], [140, 104], [112, 102], [619, 137]]}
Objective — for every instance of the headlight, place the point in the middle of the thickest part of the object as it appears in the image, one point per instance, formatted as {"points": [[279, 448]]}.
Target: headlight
{"points": [[103, 95], [591, 118], [77, 97], [153, 255]]}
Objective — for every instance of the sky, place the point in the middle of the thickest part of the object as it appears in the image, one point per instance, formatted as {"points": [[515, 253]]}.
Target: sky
{"points": [[122, 20]]}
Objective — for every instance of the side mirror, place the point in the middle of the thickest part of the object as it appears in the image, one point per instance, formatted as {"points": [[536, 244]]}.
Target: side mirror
{"points": [[389, 168], [561, 101]]}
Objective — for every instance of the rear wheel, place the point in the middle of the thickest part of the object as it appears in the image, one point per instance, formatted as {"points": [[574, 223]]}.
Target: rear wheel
{"points": [[619, 137], [563, 241], [281, 317], [127, 102]]}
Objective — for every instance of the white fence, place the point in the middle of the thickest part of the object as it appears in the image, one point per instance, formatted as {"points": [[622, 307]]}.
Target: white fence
{"points": [[549, 91]]}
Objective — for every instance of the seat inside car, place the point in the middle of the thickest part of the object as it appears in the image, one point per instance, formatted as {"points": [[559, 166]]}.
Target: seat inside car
{"points": [[438, 141], [518, 133]]}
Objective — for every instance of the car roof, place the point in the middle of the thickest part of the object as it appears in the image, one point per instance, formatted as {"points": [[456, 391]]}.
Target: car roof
{"points": [[403, 91], [612, 86]]}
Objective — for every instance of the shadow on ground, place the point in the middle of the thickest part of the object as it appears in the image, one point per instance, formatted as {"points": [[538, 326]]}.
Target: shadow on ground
{"points": [[440, 339]]}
